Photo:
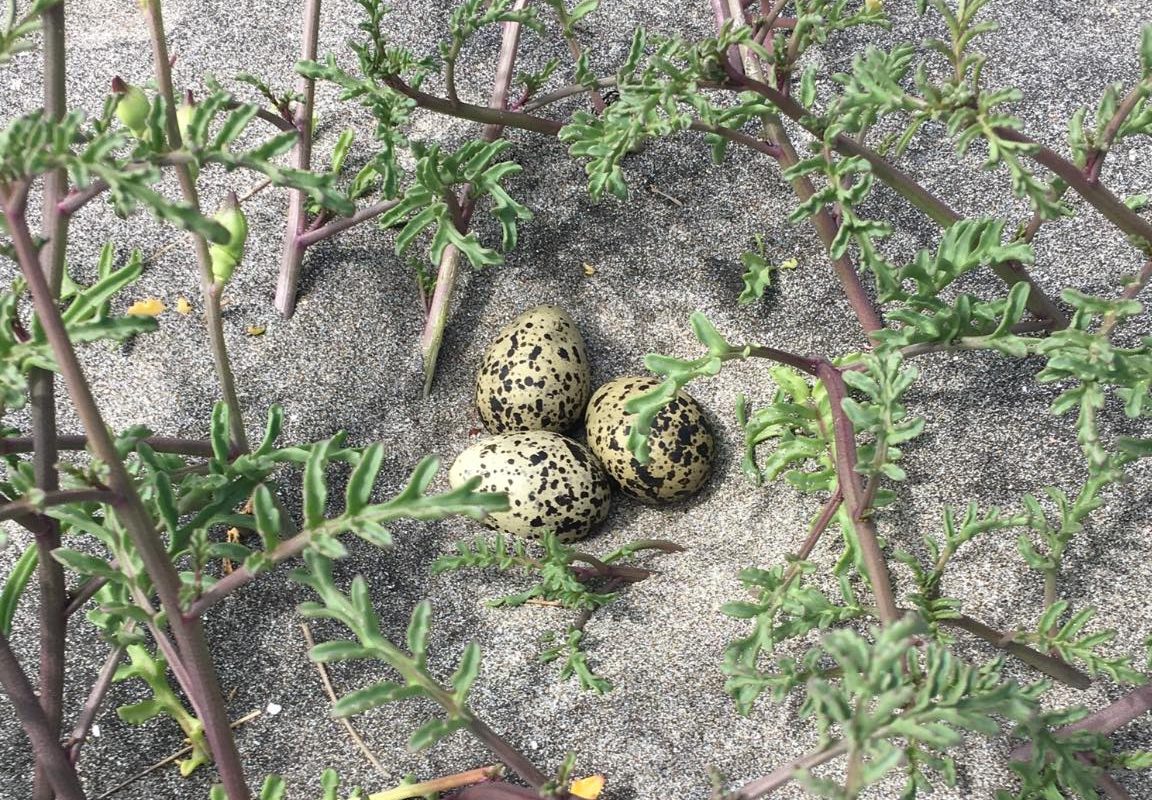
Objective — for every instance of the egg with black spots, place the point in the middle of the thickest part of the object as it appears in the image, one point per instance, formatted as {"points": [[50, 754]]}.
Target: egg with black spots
{"points": [[682, 447], [553, 483], [535, 374]]}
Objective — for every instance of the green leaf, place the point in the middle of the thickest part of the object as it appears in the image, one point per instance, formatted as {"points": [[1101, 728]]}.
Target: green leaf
{"points": [[137, 713], [328, 652], [1017, 303], [271, 429], [316, 485], [433, 731], [363, 478], [166, 504], [808, 86], [278, 145], [274, 788], [418, 630], [85, 564], [267, 515], [14, 587], [1146, 50], [221, 441], [234, 125], [466, 672], [89, 302], [340, 150], [372, 697]]}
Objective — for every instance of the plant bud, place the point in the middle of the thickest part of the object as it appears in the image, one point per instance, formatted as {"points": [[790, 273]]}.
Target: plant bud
{"points": [[133, 106], [226, 256], [184, 114]]}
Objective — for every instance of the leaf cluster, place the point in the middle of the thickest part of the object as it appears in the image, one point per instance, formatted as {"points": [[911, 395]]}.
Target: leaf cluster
{"points": [[356, 611], [896, 694], [564, 576], [677, 373], [782, 608], [925, 317], [940, 550], [152, 669], [87, 318]]}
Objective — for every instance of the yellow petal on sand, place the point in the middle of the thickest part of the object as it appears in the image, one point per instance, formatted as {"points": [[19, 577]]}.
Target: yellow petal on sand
{"points": [[587, 788], [183, 306], [255, 330], [148, 307], [589, 270]]}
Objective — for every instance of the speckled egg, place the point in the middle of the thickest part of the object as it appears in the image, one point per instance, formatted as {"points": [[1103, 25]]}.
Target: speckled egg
{"points": [[534, 376], [681, 445], [552, 482]]}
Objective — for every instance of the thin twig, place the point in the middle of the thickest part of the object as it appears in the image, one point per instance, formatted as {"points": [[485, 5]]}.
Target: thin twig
{"points": [[55, 498], [331, 692], [201, 448], [565, 92], [309, 238], [444, 784], [251, 715], [783, 775], [92, 704]]}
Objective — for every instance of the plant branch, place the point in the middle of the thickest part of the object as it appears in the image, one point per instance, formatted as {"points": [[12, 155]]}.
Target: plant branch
{"points": [[311, 237], [161, 444], [446, 784], [513, 758], [1131, 291], [598, 104], [565, 92], [783, 775], [1106, 721], [433, 334], [55, 497], [904, 184], [202, 688], [802, 363], [85, 592], [163, 68], [57, 769], [53, 623], [92, 704], [853, 491], [1097, 195], [826, 227], [1050, 665], [293, 251], [1096, 158]]}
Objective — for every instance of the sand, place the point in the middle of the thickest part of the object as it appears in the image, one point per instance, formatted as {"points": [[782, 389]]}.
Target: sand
{"points": [[348, 360]]}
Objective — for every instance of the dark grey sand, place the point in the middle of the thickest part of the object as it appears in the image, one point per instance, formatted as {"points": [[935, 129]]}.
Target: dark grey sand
{"points": [[348, 360]]}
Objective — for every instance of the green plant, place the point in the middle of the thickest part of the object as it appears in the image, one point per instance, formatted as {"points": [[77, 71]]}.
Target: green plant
{"points": [[568, 577], [139, 520]]}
